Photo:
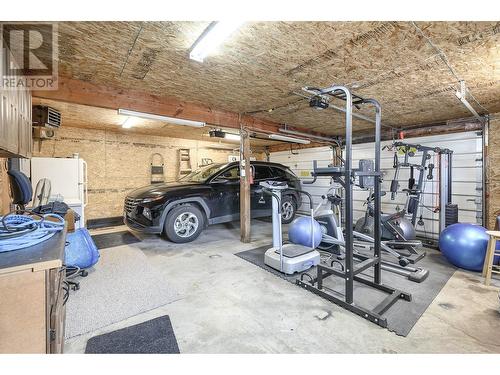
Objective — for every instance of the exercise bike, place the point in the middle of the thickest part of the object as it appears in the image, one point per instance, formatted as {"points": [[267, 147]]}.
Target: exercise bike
{"points": [[333, 241], [398, 232]]}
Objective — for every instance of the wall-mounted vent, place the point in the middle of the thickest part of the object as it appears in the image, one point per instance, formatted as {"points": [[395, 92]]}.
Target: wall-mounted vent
{"points": [[46, 116]]}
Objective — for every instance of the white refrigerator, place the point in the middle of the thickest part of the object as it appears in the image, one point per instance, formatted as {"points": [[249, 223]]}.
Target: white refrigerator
{"points": [[68, 181]]}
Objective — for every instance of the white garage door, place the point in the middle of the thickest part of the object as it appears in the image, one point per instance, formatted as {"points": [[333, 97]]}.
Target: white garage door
{"points": [[466, 187], [300, 162]]}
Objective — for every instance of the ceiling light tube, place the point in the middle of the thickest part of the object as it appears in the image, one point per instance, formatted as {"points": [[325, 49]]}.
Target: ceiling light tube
{"points": [[170, 120], [295, 132], [232, 137], [213, 36], [284, 138]]}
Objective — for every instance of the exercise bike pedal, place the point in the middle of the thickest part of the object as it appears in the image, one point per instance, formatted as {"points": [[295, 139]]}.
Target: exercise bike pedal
{"points": [[403, 262]]}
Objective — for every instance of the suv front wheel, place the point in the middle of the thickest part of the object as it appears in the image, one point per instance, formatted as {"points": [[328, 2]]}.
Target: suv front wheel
{"points": [[184, 223], [288, 209]]}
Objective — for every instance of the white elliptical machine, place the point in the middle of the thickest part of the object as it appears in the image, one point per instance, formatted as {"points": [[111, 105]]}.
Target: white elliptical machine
{"points": [[287, 258]]}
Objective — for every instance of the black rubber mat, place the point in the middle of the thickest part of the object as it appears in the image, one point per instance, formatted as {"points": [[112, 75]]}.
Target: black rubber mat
{"points": [[403, 315], [154, 336], [106, 240]]}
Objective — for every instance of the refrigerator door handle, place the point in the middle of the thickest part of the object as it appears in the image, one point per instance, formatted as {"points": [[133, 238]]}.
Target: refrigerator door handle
{"points": [[85, 184]]}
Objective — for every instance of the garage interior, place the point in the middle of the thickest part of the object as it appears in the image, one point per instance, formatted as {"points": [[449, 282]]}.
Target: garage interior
{"points": [[137, 111]]}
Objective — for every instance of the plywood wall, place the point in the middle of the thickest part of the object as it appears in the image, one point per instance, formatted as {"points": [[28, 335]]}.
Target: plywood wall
{"points": [[120, 162], [493, 170]]}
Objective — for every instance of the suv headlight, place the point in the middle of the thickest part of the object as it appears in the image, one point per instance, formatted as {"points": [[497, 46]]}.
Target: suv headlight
{"points": [[147, 213]]}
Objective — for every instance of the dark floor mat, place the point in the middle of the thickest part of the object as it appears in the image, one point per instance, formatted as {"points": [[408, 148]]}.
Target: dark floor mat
{"points": [[154, 336], [106, 240], [402, 316]]}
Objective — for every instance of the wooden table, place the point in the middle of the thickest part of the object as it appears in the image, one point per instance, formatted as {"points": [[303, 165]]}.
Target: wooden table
{"points": [[489, 267]]}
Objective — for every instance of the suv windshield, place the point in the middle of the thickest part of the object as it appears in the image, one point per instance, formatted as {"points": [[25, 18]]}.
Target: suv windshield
{"points": [[203, 173]]}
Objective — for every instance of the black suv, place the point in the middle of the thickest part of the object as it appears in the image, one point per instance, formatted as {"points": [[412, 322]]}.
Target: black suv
{"points": [[209, 195]]}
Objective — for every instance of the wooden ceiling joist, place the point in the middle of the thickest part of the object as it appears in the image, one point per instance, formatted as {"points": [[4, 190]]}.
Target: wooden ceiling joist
{"points": [[86, 93], [90, 94]]}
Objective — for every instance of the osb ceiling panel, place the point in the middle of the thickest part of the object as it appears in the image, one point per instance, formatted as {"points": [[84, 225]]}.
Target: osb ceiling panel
{"points": [[263, 63], [87, 117]]}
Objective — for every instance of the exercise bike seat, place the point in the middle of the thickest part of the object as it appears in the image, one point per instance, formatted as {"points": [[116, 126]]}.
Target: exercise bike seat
{"points": [[334, 199]]}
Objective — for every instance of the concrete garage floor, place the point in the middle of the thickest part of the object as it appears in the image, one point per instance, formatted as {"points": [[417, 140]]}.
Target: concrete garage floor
{"points": [[232, 306]]}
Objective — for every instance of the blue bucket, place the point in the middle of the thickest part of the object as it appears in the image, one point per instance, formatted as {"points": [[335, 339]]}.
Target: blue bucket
{"points": [[81, 250]]}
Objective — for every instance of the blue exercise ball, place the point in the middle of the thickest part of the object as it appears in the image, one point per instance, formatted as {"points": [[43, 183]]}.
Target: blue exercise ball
{"points": [[299, 232], [464, 245]]}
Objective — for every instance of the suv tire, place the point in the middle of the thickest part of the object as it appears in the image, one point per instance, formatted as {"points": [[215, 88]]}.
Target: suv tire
{"points": [[288, 209], [184, 223]]}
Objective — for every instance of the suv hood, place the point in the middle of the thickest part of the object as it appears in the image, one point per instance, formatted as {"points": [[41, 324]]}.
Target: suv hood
{"points": [[159, 189]]}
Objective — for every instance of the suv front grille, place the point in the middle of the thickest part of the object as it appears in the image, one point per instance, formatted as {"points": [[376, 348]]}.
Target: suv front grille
{"points": [[131, 204]]}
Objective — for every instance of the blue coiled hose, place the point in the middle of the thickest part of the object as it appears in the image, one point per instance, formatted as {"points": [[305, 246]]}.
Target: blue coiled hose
{"points": [[21, 231]]}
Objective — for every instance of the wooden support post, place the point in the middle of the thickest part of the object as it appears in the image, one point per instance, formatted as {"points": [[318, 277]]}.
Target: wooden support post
{"points": [[245, 178]]}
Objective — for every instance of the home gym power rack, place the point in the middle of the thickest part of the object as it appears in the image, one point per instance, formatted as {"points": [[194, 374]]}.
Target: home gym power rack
{"points": [[345, 175], [415, 188]]}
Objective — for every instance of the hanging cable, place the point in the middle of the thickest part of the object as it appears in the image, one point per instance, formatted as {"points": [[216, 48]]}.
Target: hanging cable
{"points": [[21, 231], [445, 59], [129, 52], [272, 109]]}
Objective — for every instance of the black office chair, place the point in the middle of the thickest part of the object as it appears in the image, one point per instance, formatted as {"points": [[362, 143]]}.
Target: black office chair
{"points": [[73, 272], [22, 194], [20, 187]]}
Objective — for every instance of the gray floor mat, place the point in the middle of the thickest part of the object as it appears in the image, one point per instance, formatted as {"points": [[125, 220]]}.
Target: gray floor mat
{"points": [[122, 284], [154, 336], [107, 240], [402, 316]]}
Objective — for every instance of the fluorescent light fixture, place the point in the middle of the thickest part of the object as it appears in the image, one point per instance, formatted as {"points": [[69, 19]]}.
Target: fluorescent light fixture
{"points": [[170, 120], [232, 137], [284, 138], [302, 134], [128, 123], [213, 36], [218, 133]]}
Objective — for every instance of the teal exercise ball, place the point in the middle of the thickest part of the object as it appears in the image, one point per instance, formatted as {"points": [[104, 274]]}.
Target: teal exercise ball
{"points": [[299, 232], [464, 245]]}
